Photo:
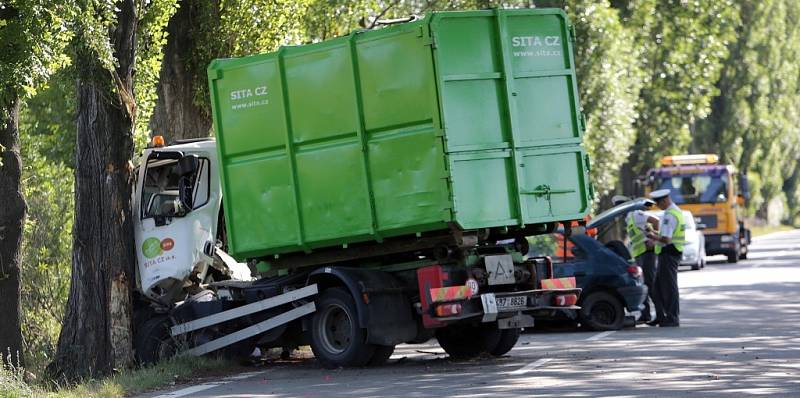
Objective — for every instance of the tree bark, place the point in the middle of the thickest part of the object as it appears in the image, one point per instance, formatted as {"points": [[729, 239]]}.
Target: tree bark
{"points": [[12, 219], [176, 115], [96, 336]]}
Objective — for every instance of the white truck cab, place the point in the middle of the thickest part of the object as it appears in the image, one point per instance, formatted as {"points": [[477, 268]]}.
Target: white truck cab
{"points": [[176, 211]]}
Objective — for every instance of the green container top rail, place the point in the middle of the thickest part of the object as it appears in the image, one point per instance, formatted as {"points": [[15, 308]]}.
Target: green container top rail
{"points": [[465, 119]]}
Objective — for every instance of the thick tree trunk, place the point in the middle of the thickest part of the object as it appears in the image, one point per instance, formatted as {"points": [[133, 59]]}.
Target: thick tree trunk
{"points": [[176, 116], [12, 219], [96, 336]]}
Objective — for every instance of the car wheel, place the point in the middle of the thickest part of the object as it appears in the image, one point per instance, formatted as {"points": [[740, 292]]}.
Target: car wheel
{"points": [[508, 339], [336, 337], [466, 341], [601, 311], [696, 267]]}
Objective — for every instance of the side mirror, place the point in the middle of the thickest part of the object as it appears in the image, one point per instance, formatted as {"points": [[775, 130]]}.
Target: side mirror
{"points": [[188, 165], [744, 186]]}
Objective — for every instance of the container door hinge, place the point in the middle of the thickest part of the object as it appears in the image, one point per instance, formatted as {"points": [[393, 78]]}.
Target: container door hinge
{"points": [[428, 40]]}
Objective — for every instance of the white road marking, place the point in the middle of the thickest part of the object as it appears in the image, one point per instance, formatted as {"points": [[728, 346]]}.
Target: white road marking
{"points": [[531, 366], [202, 387], [600, 335], [189, 390]]}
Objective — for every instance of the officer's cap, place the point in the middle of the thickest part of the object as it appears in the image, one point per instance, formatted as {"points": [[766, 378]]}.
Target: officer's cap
{"points": [[660, 194]]}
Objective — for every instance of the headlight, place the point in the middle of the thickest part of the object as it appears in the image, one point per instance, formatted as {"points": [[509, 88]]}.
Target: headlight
{"points": [[726, 238]]}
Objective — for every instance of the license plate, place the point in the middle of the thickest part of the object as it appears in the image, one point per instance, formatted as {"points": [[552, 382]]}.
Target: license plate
{"points": [[511, 302]]}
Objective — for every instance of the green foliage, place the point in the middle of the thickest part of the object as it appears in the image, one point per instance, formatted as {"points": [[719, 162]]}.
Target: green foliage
{"points": [[46, 248], [754, 124], [47, 120], [33, 35], [684, 46], [151, 38], [610, 77]]}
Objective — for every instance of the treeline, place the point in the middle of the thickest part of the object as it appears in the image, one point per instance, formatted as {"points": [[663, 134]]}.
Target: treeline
{"points": [[656, 77]]}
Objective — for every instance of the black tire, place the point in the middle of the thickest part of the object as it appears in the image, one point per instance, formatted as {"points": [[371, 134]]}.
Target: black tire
{"points": [[733, 256], [153, 341], [381, 355], [336, 338], [466, 341], [508, 339], [601, 311], [696, 267], [619, 248]]}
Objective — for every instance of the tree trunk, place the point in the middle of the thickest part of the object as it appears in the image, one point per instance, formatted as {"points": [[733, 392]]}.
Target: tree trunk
{"points": [[176, 116], [12, 219], [96, 336]]}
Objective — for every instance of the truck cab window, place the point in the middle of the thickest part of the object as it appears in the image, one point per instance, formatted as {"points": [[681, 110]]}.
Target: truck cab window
{"points": [[160, 190]]}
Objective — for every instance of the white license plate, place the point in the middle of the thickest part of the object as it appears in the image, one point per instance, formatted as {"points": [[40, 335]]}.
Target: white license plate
{"points": [[511, 302]]}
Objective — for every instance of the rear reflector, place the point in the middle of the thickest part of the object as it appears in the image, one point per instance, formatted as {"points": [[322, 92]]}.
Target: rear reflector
{"points": [[448, 310], [565, 300]]}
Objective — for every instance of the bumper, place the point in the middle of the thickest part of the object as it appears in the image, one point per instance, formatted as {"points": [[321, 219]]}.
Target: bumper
{"points": [[715, 244], [633, 297], [490, 307]]}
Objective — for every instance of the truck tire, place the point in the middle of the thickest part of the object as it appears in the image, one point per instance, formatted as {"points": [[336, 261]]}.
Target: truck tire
{"points": [[601, 311], [508, 339], [336, 338], [153, 341], [467, 341], [381, 355], [733, 256]]}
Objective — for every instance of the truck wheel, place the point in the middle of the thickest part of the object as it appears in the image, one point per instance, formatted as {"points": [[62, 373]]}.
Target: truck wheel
{"points": [[153, 341], [336, 338], [733, 256], [381, 355], [602, 311], [508, 339], [466, 341]]}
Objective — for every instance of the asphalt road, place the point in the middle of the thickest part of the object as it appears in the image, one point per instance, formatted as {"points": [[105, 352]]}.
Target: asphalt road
{"points": [[738, 337]]}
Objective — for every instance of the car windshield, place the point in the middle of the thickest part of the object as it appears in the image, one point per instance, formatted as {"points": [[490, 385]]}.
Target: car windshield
{"points": [[695, 188]]}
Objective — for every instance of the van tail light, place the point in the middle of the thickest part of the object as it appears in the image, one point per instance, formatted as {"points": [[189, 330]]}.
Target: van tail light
{"points": [[635, 271], [444, 310], [565, 300]]}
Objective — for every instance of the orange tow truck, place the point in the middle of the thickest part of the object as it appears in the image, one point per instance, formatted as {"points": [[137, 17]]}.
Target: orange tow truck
{"points": [[714, 193]]}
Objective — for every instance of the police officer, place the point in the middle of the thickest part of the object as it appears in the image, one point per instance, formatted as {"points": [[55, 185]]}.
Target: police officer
{"points": [[669, 248], [637, 223]]}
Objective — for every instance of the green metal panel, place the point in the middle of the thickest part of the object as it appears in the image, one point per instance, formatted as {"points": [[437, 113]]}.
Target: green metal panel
{"points": [[467, 117], [507, 83]]}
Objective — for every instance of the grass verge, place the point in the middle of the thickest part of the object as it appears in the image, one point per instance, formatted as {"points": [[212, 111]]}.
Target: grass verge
{"points": [[175, 371], [768, 229]]}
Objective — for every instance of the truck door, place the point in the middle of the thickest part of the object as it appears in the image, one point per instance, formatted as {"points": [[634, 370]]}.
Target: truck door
{"points": [[175, 222]]}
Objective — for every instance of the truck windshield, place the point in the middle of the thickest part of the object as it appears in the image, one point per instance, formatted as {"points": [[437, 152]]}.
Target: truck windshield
{"points": [[695, 188]]}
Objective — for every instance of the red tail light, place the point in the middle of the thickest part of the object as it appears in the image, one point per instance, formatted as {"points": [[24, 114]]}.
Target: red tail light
{"points": [[448, 310], [565, 300], [635, 271]]}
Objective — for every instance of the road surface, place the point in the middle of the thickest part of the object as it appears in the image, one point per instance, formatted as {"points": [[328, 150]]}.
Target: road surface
{"points": [[738, 337]]}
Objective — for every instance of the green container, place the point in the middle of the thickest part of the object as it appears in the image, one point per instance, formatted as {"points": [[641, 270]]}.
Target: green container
{"points": [[462, 118]]}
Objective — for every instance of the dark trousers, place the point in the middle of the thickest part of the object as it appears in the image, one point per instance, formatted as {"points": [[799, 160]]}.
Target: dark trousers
{"points": [[647, 261], [667, 302]]}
